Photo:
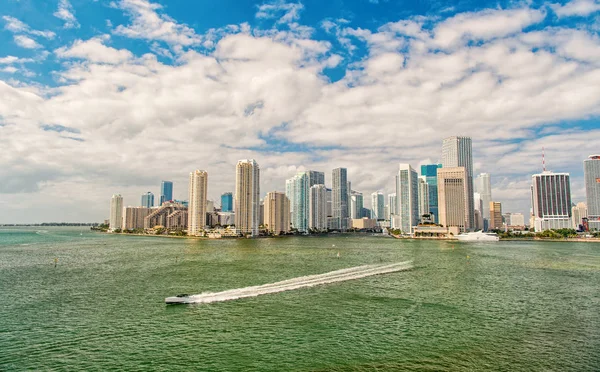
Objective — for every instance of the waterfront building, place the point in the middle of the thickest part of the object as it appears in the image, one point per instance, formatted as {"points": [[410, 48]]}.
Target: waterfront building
{"points": [[116, 213], [226, 218], [495, 215], [226, 202], [453, 198], [429, 171], [329, 202], [170, 215], [317, 211], [340, 198], [133, 217], [277, 213], [378, 205], [261, 213], [356, 205], [166, 191], [393, 206], [517, 221], [579, 212], [298, 192], [423, 197], [458, 152], [551, 201], [364, 223], [483, 186], [591, 173], [247, 197], [478, 218], [198, 190], [148, 200], [407, 193]]}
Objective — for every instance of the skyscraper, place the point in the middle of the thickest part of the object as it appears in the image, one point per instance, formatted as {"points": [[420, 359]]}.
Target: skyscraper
{"points": [[393, 205], [317, 211], [356, 205], [483, 186], [551, 201], [458, 152], [407, 194], [579, 212], [340, 198], [298, 191], [478, 218], [198, 189], [277, 213], [430, 173], [148, 200], [591, 173], [226, 202], [377, 205], [247, 196], [423, 197], [116, 213], [166, 191], [495, 215], [453, 198]]}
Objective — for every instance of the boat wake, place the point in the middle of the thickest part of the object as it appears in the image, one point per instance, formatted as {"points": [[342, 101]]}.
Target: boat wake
{"points": [[292, 284]]}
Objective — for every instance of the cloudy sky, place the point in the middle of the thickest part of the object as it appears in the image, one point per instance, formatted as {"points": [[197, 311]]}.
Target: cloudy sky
{"points": [[103, 97]]}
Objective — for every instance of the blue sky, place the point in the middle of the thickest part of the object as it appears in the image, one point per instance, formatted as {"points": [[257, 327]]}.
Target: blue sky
{"points": [[103, 97]]}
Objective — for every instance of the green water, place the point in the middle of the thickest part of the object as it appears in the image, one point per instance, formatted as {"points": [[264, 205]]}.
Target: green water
{"points": [[508, 306]]}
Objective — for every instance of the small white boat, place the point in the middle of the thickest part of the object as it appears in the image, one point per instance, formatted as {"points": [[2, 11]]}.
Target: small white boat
{"points": [[478, 236], [179, 299]]}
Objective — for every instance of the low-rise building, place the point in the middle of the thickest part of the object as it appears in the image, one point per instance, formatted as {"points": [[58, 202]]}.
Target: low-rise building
{"points": [[364, 223], [172, 216]]}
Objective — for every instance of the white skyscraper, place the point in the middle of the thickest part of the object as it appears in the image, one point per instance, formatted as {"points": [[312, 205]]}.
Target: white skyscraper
{"points": [[197, 207], [551, 201], [423, 197], [356, 205], [393, 205], [298, 192], [458, 152], [247, 197], [318, 207], [377, 205], [591, 173], [407, 196], [483, 186], [116, 212], [340, 198]]}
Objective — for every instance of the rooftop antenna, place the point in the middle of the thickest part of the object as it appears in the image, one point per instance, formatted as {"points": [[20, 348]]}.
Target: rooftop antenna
{"points": [[543, 158]]}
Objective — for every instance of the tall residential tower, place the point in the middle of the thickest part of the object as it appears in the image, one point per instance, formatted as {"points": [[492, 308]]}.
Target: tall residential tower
{"points": [[458, 152], [591, 173], [247, 197], [198, 190]]}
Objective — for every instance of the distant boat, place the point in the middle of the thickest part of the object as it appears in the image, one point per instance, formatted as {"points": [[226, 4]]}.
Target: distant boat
{"points": [[478, 236], [338, 255]]}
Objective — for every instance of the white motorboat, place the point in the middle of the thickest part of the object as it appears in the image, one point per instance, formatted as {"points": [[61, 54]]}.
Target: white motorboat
{"points": [[478, 236]]}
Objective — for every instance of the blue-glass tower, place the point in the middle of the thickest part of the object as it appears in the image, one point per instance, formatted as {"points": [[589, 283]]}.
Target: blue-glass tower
{"points": [[166, 191], [148, 200], [430, 173], [226, 202]]}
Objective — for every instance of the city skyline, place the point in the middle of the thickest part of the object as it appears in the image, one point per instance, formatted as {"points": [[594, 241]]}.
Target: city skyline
{"points": [[97, 102]]}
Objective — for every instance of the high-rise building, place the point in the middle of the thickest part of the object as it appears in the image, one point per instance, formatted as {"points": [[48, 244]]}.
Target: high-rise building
{"points": [[393, 205], [133, 217], [277, 213], [298, 192], [378, 205], [495, 215], [579, 212], [166, 191], [247, 197], [340, 198], [198, 191], [407, 194], [478, 220], [148, 200], [423, 197], [591, 174], [517, 220], [116, 213], [429, 171], [356, 205], [329, 203], [483, 186], [170, 215], [453, 198], [226, 202], [458, 152], [317, 210], [551, 201]]}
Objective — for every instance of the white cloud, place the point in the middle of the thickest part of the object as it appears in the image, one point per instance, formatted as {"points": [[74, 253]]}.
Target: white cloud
{"points": [[284, 12], [16, 26], [26, 42], [66, 13], [580, 8], [94, 50], [9, 69]]}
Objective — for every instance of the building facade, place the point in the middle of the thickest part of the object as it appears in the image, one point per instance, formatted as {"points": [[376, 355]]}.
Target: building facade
{"points": [[591, 174], [495, 215], [407, 197], [166, 191], [551, 201], [317, 210], [148, 200], [458, 152], [429, 171], [339, 198], [277, 213], [378, 205], [483, 185], [171, 216], [423, 197], [453, 198], [133, 217], [197, 208], [247, 197], [116, 213], [298, 192], [579, 212], [226, 202], [356, 205], [393, 206]]}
